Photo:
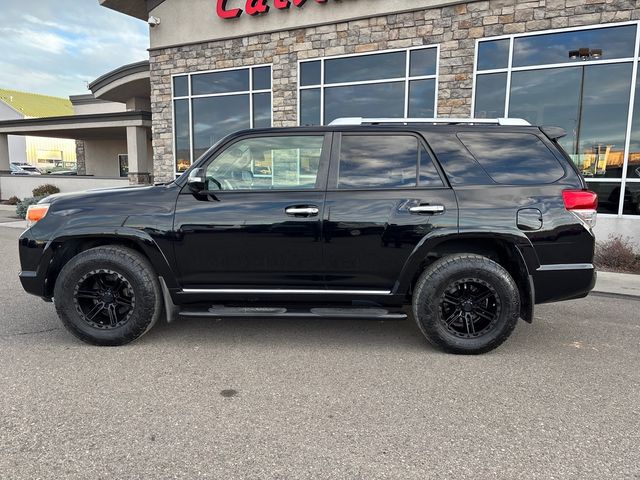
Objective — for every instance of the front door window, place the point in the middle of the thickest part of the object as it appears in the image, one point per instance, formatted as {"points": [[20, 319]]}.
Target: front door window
{"points": [[267, 163]]}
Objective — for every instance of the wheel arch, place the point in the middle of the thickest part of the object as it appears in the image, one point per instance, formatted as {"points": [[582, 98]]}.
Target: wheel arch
{"points": [[513, 251], [64, 247]]}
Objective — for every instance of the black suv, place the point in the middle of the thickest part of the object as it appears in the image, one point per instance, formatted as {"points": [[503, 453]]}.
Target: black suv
{"points": [[469, 222]]}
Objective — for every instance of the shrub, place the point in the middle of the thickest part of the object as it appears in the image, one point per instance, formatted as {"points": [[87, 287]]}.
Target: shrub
{"points": [[21, 208], [13, 200], [45, 190], [618, 254]]}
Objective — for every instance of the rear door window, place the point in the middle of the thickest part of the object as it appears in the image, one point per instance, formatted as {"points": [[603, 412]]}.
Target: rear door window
{"points": [[385, 161], [513, 158]]}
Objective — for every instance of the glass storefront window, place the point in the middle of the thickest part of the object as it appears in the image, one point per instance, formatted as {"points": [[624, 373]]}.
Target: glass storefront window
{"points": [[392, 84], [364, 101], [421, 94], [262, 78], [181, 86], [633, 166], [493, 54], [490, 95], [614, 42], [580, 80], [217, 117], [365, 67], [608, 196], [423, 62], [310, 107], [310, 73], [220, 82], [181, 129], [218, 103], [631, 200]]}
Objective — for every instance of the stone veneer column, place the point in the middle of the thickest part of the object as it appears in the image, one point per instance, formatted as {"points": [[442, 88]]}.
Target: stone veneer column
{"points": [[81, 161]]}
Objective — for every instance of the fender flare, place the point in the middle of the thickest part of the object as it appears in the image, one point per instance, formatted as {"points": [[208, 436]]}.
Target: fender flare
{"points": [[522, 245], [140, 238]]}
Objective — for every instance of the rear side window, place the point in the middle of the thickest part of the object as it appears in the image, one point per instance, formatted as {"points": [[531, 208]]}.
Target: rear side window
{"points": [[385, 161], [513, 158]]}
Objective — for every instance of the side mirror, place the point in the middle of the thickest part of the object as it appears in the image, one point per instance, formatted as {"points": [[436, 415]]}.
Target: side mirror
{"points": [[197, 180]]}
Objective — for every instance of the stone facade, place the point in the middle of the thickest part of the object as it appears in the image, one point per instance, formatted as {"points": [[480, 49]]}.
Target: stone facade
{"points": [[80, 158], [455, 28]]}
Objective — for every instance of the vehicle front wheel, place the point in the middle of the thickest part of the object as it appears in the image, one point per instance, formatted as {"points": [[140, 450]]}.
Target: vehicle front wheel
{"points": [[108, 296], [466, 304]]}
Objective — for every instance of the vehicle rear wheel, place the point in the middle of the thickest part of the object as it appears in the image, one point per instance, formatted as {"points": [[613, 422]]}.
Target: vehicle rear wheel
{"points": [[466, 304], [108, 296]]}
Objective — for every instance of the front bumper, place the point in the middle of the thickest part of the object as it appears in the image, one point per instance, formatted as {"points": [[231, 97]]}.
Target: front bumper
{"points": [[35, 259]]}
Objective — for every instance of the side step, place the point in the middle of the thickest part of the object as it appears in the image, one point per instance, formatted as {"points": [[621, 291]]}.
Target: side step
{"points": [[220, 311]]}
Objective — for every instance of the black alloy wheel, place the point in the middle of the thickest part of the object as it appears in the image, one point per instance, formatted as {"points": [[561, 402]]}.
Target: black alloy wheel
{"points": [[104, 299], [469, 308]]}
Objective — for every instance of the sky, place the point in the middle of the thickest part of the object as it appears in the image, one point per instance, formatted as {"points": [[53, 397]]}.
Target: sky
{"points": [[55, 47]]}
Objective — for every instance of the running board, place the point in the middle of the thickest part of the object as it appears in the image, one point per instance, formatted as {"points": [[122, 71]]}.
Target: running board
{"points": [[280, 312]]}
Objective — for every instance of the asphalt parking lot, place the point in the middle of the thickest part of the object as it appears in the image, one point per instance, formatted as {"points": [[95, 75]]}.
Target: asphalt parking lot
{"points": [[258, 399]]}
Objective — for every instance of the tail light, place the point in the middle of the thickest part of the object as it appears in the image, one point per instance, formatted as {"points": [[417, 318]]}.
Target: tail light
{"points": [[35, 213], [583, 204]]}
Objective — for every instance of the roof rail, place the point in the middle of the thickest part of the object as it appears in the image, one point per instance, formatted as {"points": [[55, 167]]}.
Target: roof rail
{"points": [[450, 121]]}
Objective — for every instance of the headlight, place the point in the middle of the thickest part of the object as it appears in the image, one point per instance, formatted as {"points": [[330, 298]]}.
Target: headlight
{"points": [[35, 213]]}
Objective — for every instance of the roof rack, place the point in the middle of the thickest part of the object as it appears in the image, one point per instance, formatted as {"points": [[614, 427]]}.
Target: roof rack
{"points": [[449, 121]]}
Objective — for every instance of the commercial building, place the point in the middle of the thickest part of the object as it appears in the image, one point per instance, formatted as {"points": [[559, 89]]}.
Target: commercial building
{"points": [[45, 153], [108, 133], [218, 66]]}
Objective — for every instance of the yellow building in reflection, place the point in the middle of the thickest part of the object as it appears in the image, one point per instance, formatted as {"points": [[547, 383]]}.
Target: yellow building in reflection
{"points": [[48, 154]]}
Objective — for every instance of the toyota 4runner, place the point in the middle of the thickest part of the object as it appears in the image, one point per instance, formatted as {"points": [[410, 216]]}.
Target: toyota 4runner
{"points": [[468, 222]]}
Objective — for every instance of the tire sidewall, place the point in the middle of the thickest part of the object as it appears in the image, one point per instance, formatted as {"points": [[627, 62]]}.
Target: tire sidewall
{"points": [[136, 272], [437, 279]]}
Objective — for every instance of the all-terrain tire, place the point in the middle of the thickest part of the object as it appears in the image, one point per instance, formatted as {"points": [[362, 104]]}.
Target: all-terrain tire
{"points": [[133, 269], [432, 301]]}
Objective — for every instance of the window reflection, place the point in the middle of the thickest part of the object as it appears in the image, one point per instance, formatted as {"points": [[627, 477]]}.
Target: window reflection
{"points": [[181, 127], [493, 54], [423, 62], [631, 200], [378, 161], [219, 106], [616, 42], [216, 117], [490, 95], [376, 100], [365, 67], [589, 102], [422, 98], [514, 158], [310, 107], [633, 168], [608, 196], [220, 82], [261, 110], [310, 73], [180, 86]]}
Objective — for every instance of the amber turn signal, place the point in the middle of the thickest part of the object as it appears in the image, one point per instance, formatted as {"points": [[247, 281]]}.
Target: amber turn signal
{"points": [[35, 213]]}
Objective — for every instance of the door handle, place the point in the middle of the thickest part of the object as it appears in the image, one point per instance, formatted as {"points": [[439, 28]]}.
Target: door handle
{"points": [[427, 209], [307, 211]]}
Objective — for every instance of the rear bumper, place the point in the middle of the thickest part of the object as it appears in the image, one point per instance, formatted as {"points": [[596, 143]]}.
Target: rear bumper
{"points": [[567, 281]]}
